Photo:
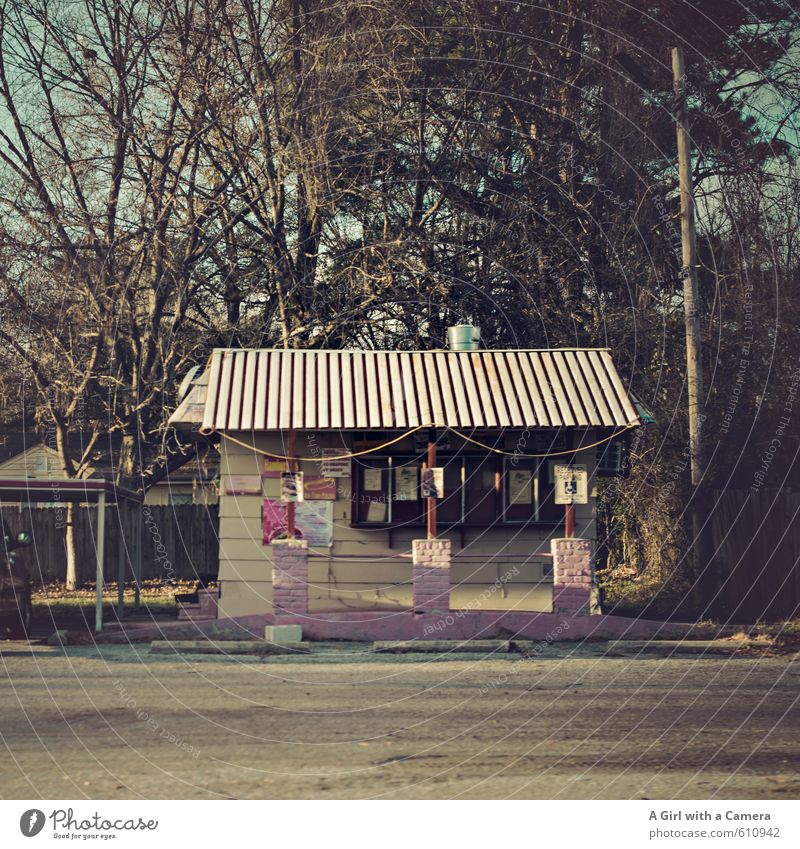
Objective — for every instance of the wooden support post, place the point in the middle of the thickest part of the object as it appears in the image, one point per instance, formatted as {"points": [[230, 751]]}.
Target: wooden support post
{"points": [[121, 551], [290, 507], [431, 463], [101, 543], [569, 520], [137, 574]]}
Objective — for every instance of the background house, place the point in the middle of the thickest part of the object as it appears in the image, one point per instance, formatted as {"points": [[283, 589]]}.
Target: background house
{"points": [[25, 456]]}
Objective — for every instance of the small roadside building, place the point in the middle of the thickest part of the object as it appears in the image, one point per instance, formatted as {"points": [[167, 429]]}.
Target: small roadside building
{"points": [[363, 428]]}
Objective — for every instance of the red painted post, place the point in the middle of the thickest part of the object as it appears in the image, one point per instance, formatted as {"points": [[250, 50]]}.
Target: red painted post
{"points": [[290, 507], [569, 520], [431, 501]]}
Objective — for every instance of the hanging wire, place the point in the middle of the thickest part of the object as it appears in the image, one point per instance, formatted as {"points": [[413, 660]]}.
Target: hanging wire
{"points": [[376, 448]]}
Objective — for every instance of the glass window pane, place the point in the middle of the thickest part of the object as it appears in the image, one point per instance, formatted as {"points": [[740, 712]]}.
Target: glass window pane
{"points": [[482, 487], [448, 508], [372, 499], [408, 508]]}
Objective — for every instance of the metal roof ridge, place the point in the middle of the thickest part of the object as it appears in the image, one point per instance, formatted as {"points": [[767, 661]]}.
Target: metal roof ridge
{"points": [[407, 350]]}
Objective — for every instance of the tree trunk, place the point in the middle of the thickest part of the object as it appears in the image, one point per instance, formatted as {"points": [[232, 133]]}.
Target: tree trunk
{"points": [[68, 469], [69, 544]]}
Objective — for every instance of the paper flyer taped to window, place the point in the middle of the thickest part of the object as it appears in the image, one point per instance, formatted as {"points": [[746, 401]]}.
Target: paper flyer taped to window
{"points": [[405, 484], [373, 480], [520, 486]]}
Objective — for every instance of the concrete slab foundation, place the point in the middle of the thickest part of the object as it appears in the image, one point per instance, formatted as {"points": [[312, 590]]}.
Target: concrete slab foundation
{"points": [[375, 626]]}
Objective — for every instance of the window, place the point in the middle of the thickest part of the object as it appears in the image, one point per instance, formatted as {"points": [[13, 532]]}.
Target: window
{"points": [[372, 497], [528, 492], [481, 490], [478, 490], [407, 506], [449, 508], [178, 499]]}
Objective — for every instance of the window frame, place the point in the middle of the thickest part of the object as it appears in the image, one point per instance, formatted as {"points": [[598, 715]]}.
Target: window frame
{"points": [[500, 501]]}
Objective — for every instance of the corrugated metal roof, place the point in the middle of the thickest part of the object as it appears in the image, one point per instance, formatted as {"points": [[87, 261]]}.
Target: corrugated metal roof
{"points": [[398, 390]]}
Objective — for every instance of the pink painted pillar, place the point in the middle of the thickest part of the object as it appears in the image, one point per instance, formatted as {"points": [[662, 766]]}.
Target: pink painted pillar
{"points": [[290, 576], [431, 575], [573, 581]]}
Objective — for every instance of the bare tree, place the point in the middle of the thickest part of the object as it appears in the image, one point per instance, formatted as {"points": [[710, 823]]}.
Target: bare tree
{"points": [[106, 215]]}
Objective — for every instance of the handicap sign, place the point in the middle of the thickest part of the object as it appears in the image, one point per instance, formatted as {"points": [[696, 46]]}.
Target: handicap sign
{"points": [[571, 484]]}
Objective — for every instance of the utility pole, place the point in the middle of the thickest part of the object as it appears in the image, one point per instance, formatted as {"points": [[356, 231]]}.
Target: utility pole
{"points": [[701, 550], [694, 372]]}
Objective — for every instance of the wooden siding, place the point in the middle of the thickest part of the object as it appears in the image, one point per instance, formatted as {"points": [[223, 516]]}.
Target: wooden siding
{"points": [[494, 568]]}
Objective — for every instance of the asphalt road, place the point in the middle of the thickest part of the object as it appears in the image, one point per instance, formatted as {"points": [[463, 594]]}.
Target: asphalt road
{"points": [[116, 722]]}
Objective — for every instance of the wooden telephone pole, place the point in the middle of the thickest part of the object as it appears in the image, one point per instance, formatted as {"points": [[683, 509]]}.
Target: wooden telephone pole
{"points": [[694, 372], [702, 556]]}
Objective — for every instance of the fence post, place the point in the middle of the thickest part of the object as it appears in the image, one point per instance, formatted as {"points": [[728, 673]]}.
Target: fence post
{"points": [[101, 541]]}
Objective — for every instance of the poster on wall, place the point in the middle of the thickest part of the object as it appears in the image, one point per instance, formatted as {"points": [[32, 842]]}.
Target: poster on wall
{"points": [[273, 467], [313, 522], [405, 483], [242, 484], [319, 489], [292, 486], [433, 482], [335, 468]]}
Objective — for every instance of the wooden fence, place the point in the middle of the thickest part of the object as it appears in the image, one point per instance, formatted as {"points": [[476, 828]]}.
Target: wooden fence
{"points": [[178, 542], [757, 543]]}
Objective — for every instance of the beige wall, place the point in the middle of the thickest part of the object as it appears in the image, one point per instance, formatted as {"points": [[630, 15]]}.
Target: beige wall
{"points": [[159, 494], [360, 570]]}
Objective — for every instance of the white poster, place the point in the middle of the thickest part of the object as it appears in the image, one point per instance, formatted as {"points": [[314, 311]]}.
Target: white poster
{"points": [[433, 482], [373, 480], [520, 486], [405, 483], [292, 486], [339, 468], [314, 520]]}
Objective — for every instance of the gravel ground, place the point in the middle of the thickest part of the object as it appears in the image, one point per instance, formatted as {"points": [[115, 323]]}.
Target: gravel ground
{"points": [[116, 722]]}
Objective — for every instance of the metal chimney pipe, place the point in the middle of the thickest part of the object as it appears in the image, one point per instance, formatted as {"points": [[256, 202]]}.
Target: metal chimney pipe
{"points": [[463, 337]]}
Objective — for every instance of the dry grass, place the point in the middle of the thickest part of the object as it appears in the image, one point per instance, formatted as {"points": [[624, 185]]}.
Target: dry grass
{"points": [[53, 601]]}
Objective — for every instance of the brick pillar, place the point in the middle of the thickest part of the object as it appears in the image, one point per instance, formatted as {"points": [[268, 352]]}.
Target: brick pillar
{"points": [[431, 575], [290, 576], [573, 582]]}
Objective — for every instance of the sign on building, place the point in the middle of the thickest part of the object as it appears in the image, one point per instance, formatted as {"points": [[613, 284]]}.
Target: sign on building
{"points": [[242, 484], [433, 482], [319, 489], [335, 468], [571, 484], [291, 486]]}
